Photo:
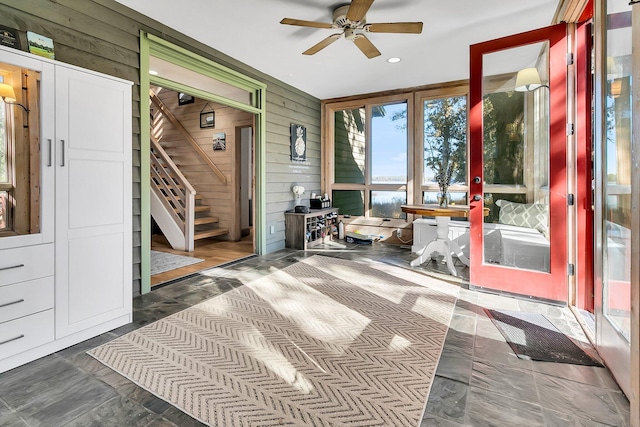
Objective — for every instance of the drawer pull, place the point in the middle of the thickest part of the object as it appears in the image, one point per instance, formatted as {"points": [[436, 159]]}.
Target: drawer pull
{"points": [[12, 302], [11, 266], [12, 339]]}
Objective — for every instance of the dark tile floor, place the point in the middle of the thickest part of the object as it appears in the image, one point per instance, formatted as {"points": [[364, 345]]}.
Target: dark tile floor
{"points": [[479, 382]]}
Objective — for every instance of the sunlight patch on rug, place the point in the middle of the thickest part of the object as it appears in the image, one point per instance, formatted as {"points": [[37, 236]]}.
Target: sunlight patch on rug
{"points": [[323, 342]]}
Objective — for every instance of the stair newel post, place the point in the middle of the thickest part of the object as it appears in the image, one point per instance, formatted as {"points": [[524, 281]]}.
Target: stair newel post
{"points": [[189, 223]]}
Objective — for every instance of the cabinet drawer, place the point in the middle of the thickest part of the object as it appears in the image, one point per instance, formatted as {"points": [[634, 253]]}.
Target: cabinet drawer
{"points": [[26, 298], [27, 263], [26, 333]]}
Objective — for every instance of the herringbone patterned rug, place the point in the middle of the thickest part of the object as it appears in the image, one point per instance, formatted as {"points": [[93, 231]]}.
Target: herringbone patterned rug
{"points": [[323, 342]]}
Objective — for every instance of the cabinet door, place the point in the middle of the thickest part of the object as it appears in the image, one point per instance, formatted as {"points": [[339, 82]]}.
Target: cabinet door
{"points": [[93, 200]]}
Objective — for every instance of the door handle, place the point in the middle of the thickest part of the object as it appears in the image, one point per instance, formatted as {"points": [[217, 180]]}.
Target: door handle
{"points": [[62, 152], [49, 162]]}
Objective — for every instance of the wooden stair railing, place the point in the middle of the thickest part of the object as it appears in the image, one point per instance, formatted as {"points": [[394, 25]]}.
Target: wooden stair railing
{"points": [[171, 186], [169, 115]]}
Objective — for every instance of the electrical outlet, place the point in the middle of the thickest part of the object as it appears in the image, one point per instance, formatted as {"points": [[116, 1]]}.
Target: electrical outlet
{"points": [[398, 232]]}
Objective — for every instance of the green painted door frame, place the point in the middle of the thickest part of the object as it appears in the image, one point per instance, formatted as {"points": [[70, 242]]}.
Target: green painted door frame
{"points": [[152, 46]]}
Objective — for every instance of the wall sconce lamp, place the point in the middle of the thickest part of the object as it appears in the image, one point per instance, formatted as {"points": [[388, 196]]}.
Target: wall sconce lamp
{"points": [[528, 80], [8, 95]]}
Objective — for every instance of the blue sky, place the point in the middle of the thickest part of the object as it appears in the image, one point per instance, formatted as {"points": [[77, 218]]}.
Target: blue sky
{"points": [[389, 143]]}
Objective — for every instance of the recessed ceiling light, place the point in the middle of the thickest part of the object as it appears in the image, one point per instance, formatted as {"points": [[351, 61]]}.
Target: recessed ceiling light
{"points": [[153, 72], [393, 60]]}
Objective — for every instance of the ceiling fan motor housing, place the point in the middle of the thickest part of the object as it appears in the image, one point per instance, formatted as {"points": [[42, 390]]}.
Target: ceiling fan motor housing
{"points": [[340, 18]]}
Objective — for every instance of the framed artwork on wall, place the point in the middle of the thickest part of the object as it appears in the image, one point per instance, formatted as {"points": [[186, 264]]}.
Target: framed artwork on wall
{"points": [[207, 117], [9, 37], [298, 143], [40, 45], [184, 99], [219, 141]]}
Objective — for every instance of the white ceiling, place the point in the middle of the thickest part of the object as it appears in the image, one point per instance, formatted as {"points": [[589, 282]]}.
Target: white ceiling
{"points": [[250, 31]]}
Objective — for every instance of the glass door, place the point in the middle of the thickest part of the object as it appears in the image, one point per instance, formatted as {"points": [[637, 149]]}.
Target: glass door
{"points": [[518, 178], [613, 208]]}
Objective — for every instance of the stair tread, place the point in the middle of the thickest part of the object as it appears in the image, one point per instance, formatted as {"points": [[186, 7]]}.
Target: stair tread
{"points": [[202, 208], [210, 233], [205, 220]]}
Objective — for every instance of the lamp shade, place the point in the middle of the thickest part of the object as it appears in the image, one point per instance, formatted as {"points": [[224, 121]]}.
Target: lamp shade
{"points": [[527, 80], [616, 88], [7, 93]]}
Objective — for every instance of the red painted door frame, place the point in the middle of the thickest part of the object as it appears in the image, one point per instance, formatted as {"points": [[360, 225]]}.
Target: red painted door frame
{"points": [[553, 285], [584, 170]]}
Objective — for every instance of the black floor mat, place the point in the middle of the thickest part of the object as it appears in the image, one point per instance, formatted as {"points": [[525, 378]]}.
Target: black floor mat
{"points": [[534, 337]]}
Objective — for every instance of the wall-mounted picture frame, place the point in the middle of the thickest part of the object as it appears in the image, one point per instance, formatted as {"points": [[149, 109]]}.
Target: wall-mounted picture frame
{"points": [[207, 117], [10, 37], [298, 143], [40, 45], [184, 99], [219, 141]]}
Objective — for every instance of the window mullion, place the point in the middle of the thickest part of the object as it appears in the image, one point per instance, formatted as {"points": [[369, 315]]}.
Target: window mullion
{"points": [[368, 161]]}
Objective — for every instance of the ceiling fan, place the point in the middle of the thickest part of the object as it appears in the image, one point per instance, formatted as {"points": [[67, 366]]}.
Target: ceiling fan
{"points": [[351, 20]]}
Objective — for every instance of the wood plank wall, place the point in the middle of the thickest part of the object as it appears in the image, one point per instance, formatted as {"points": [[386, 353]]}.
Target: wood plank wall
{"points": [[103, 35], [218, 196]]}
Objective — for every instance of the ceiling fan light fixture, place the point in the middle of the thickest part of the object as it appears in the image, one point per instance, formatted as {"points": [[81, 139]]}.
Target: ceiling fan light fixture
{"points": [[351, 19], [394, 60]]}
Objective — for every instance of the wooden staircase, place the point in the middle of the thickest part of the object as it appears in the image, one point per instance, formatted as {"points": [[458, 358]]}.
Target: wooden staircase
{"points": [[205, 224], [181, 201]]}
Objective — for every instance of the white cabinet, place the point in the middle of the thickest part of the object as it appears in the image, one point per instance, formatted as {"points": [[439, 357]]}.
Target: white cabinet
{"points": [[72, 279]]}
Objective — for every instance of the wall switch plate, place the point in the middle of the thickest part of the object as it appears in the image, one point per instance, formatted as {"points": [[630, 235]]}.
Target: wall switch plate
{"points": [[272, 229]]}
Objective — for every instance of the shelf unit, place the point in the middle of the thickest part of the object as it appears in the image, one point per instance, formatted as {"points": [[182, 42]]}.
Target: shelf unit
{"points": [[305, 230]]}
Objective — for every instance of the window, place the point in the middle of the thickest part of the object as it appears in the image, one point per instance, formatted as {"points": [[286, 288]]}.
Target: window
{"points": [[444, 146], [376, 164], [370, 158]]}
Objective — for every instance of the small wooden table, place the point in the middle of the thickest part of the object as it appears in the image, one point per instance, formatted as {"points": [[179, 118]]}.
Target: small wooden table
{"points": [[442, 244]]}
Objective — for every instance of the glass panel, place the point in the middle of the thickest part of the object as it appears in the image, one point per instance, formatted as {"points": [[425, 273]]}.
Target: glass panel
{"points": [[456, 198], [386, 204], [349, 202], [176, 73], [617, 164], [389, 144], [349, 151], [445, 139], [20, 153], [494, 210], [516, 157], [504, 138]]}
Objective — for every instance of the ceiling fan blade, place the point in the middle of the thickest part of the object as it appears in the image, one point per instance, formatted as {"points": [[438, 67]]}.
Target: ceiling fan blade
{"points": [[303, 23], [324, 43], [358, 9], [365, 45], [395, 27]]}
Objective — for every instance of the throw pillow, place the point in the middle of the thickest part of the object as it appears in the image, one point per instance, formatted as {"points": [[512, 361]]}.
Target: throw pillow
{"points": [[532, 215]]}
